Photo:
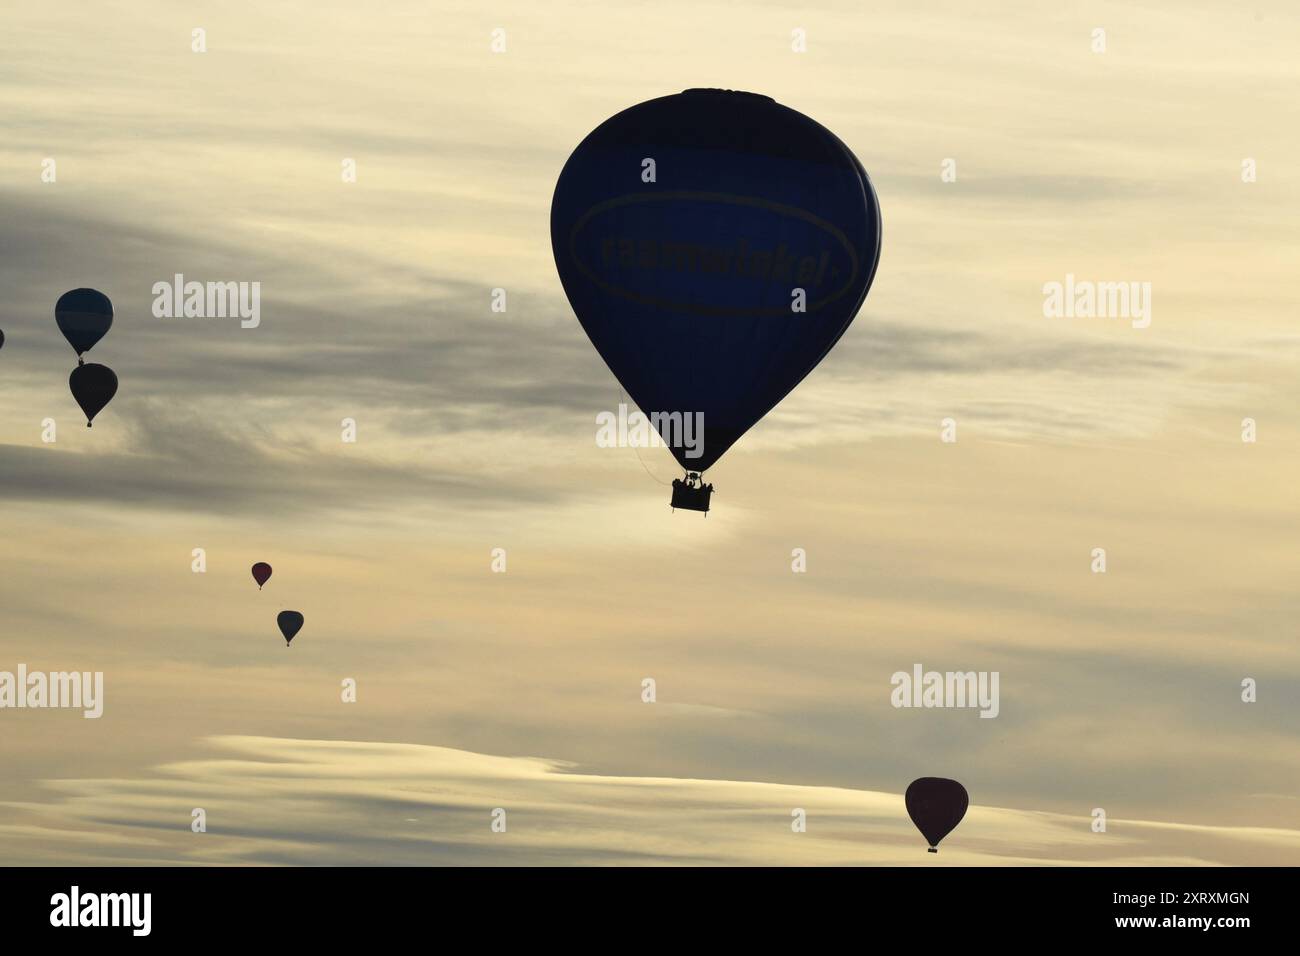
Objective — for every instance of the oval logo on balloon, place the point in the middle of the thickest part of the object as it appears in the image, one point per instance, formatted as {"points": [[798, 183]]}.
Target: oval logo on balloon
{"points": [[713, 253]]}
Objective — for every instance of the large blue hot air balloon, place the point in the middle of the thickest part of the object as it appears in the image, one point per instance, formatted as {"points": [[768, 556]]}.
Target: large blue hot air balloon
{"points": [[683, 229]]}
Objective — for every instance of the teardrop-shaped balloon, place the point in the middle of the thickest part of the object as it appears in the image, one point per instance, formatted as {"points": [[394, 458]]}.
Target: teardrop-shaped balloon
{"points": [[290, 624], [714, 245], [2, 338], [93, 386], [936, 806], [261, 573], [84, 317]]}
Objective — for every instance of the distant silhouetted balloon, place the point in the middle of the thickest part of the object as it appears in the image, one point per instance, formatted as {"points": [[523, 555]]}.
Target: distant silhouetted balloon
{"points": [[261, 574], [2, 338], [84, 316], [936, 806], [290, 624], [716, 287], [93, 386]]}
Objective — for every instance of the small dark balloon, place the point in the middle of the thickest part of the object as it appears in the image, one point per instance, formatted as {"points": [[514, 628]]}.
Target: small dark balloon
{"points": [[84, 317], [2, 338], [93, 386], [261, 573], [936, 806], [290, 624]]}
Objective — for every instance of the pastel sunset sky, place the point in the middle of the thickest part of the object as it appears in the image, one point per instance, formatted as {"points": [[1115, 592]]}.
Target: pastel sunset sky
{"points": [[476, 430]]}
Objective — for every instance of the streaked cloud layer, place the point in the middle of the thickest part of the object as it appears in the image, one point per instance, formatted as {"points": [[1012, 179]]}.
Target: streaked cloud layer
{"points": [[313, 802]]}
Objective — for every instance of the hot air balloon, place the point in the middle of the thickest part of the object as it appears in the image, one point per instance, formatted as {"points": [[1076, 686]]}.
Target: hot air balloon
{"points": [[714, 245], [936, 806], [84, 317], [290, 624], [261, 574], [2, 338], [93, 386]]}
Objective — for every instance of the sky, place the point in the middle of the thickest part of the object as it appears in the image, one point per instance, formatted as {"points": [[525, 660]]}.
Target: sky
{"points": [[475, 430]]}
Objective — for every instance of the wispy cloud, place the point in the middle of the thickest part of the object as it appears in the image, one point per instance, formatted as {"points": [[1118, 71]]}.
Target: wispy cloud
{"points": [[307, 802]]}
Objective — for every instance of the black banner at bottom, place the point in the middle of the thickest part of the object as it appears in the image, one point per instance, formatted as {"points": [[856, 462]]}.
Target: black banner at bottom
{"points": [[547, 906]]}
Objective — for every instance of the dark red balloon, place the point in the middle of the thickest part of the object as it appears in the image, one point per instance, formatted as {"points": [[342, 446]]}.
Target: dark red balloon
{"points": [[936, 806], [261, 573]]}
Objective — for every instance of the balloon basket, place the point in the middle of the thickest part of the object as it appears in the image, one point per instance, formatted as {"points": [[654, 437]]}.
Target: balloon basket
{"points": [[691, 495], [932, 850]]}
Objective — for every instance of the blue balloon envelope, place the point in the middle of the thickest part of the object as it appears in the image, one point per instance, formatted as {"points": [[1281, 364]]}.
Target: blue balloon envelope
{"points": [[84, 317], [290, 623], [687, 285]]}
